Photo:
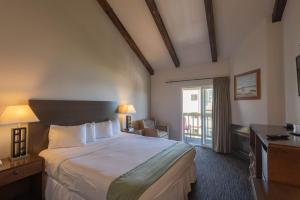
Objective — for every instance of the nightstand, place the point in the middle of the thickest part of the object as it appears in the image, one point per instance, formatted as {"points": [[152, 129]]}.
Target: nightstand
{"points": [[137, 132], [22, 179], [127, 131]]}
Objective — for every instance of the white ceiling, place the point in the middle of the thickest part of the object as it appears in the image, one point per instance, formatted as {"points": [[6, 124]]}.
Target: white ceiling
{"points": [[185, 22]]}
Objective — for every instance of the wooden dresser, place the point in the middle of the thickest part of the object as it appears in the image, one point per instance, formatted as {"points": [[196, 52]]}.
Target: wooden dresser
{"points": [[240, 141], [274, 163]]}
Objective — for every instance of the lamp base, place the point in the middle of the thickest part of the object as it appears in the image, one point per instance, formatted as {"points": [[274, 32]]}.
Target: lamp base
{"points": [[128, 122], [18, 142]]}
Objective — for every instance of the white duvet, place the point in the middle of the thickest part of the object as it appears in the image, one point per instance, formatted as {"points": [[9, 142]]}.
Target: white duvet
{"points": [[89, 170]]}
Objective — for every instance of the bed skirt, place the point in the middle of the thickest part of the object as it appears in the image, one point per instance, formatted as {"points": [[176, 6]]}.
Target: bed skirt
{"points": [[178, 189]]}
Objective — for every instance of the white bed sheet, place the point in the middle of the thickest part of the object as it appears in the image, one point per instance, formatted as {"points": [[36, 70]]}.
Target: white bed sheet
{"points": [[88, 171]]}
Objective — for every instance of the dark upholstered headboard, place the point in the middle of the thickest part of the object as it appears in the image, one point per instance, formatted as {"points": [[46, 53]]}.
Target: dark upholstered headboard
{"points": [[65, 113]]}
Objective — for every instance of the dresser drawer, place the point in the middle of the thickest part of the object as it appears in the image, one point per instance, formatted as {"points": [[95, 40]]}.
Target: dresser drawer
{"points": [[20, 172]]}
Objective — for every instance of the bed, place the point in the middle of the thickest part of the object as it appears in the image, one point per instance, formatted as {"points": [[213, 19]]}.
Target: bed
{"points": [[110, 168]]}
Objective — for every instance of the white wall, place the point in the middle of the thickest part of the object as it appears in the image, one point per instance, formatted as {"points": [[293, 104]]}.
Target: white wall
{"points": [[260, 49], [166, 102], [275, 78], [250, 55], [291, 41], [65, 50]]}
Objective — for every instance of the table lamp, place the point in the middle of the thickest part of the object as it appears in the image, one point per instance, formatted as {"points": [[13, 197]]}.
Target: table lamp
{"points": [[127, 109], [19, 114]]}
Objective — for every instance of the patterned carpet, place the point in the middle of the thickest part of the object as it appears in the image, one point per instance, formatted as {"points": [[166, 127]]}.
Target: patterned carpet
{"points": [[220, 177]]}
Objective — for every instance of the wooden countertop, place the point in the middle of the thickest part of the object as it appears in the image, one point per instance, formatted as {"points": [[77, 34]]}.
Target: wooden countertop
{"points": [[263, 130], [9, 164], [274, 191]]}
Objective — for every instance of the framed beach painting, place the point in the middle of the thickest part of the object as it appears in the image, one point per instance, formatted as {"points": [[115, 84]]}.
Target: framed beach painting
{"points": [[247, 85]]}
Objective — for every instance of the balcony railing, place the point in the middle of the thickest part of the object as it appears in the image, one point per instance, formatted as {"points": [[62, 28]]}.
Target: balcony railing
{"points": [[192, 127]]}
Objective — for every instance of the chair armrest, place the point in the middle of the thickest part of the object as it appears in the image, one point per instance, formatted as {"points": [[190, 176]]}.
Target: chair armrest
{"points": [[150, 132]]}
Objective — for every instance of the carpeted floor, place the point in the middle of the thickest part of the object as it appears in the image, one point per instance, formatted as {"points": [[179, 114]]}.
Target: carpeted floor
{"points": [[220, 177]]}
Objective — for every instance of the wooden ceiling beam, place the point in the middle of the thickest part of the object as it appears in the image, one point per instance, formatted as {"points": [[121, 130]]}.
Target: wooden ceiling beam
{"points": [[278, 10], [211, 29], [118, 24], [163, 31]]}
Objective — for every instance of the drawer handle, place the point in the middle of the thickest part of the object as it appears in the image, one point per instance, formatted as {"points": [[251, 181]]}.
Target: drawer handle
{"points": [[15, 172]]}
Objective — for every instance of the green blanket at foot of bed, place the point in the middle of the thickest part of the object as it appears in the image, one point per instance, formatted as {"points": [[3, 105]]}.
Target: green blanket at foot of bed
{"points": [[133, 184]]}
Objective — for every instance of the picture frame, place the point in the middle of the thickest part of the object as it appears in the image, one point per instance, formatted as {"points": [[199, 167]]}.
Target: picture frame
{"points": [[298, 73], [247, 86]]}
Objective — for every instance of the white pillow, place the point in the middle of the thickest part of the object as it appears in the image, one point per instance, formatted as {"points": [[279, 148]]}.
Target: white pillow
{"points": [[116, 126], [90, 132], [66, 136], [104, 129]]}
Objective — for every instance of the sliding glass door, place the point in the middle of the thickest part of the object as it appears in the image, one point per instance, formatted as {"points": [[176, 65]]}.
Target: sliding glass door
{"points": [[207, 97], [197, 115]]}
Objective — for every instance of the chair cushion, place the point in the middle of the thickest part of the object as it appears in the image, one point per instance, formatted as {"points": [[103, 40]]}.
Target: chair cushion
{"points": [[162, 134], [148, 123]]}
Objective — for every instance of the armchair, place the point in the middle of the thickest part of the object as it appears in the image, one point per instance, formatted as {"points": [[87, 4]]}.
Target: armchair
{"points": [[151, 128]]}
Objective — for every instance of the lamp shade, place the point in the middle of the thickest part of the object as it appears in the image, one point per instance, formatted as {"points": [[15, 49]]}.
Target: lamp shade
{"points": [[127, 109], [18, 114]]}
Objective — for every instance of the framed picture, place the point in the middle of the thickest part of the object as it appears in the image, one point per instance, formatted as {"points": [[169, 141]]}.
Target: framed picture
{"points": [[247, 85], [298, 73]]}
